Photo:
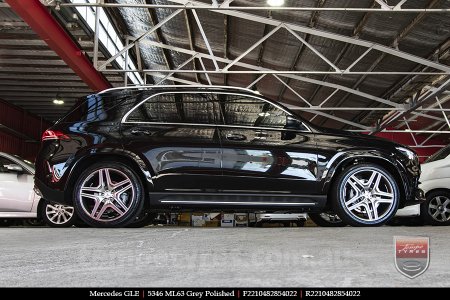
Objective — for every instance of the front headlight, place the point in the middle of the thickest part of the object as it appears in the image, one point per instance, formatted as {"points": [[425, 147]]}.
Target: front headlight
{"points": [[411, 155], [412, 163]]}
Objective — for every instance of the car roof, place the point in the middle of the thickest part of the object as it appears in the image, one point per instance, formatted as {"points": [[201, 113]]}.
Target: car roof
{"points": [[178, 87]]}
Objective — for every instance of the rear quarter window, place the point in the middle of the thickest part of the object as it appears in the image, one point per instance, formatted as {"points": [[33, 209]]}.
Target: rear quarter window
{"points": [[95, 108]]}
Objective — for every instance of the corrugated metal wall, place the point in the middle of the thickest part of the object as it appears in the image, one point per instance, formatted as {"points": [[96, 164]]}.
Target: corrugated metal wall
{"points": [[29, 129]]}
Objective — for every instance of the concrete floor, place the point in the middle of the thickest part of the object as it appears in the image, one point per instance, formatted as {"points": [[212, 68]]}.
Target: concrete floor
{"points": [[219, 257]]}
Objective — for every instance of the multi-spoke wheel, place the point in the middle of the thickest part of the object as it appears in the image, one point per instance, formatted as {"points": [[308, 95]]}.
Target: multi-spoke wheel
{"points": [[57, 215], [436, 209], [327, 219], [108, 194], [365, 195]]}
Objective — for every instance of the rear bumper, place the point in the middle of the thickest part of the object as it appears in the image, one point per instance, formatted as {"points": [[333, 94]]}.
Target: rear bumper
{"points": [[50, 194]]}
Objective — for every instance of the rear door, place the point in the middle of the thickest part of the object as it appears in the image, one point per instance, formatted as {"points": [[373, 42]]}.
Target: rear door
{"points": [[261, 156], [176, 133]]}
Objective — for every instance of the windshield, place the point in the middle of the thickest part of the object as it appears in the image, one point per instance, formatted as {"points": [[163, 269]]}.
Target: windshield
{"points": [[441, 154]]}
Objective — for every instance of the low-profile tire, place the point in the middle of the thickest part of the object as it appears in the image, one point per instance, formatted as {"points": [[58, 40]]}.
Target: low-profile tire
{"points": [[57, 215], [327, 219], [365, 195], [436, 209], [144, 219], [108, 194]]}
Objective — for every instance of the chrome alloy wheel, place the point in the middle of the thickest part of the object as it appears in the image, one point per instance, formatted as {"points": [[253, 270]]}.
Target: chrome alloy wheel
{"points": [[368, 195], [59, 214], [106, 194], [439, 208]]}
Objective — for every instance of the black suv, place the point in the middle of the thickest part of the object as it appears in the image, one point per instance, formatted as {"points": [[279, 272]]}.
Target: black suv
{"points": [[124, 152]]}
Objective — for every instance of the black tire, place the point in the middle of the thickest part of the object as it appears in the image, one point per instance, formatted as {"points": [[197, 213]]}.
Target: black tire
{"points": [[327, 219], [6, 222], [146, 218], [437, 205], [101, 205], [34, 222], [357, 214], [57, 215]]}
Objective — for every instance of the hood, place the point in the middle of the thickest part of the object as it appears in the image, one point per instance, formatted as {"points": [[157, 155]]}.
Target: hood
{"points": [[357, 135]]}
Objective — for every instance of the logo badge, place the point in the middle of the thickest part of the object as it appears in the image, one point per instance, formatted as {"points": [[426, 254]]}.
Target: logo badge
{"points": [[412, 255]]}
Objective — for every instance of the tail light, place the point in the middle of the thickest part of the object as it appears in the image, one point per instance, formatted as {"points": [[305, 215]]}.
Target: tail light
{"points": [[54, 135]]}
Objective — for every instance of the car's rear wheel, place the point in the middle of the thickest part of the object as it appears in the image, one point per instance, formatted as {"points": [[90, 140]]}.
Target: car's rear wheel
{"points": [[326, 219], [57, 215], [365, 195], [108, 194], [436, 209], [144, 219]]}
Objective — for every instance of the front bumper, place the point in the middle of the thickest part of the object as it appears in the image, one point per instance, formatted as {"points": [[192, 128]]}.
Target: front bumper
{"points": [[418, 198]]}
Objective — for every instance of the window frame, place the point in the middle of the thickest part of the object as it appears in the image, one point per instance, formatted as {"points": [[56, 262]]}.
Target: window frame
{"points": [[124, 118]]}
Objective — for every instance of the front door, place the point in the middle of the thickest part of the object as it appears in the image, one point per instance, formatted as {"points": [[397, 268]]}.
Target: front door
{"points": [[16, 189], [261, 156]]}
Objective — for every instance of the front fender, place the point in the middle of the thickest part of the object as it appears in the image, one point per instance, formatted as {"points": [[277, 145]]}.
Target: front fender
{"points": [[345, 158]]}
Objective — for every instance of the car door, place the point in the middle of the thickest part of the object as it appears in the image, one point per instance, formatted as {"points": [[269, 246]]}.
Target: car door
{"points": [[16, 188], [176, 133], [260, 154]]}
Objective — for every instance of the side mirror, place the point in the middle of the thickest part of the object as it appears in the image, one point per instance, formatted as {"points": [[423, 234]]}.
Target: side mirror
{"points": [[292, 123], [14, 168]]}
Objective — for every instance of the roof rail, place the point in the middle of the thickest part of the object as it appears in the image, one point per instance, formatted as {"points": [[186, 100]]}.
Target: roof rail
{"points": [[176, 86]]}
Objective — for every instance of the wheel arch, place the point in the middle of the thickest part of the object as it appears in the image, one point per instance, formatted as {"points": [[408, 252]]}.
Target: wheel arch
{"points": [[437, 190], [359, 158], [126, 157]]}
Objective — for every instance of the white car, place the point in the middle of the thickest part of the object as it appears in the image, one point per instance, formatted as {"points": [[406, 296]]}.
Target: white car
{"points": [[435, 182], [18, 199]]}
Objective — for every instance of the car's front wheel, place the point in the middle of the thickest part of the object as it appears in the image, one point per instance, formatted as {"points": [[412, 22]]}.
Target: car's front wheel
{"points": [[436, 209], [365, 195], [57, 215], [108, 194]]}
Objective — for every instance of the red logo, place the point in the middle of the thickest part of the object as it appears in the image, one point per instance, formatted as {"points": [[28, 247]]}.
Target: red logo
{"points": [[412, 255]]}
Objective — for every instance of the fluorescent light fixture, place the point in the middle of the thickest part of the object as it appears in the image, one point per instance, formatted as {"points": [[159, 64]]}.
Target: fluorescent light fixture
{"points": [[275, 2], [58, 101], [264, 114]]}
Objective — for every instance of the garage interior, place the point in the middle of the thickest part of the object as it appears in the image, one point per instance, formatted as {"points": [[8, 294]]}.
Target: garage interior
{"points": [[378, 67]]}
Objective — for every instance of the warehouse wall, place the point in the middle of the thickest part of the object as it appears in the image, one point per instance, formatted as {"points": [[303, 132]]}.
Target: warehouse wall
{"points": [[20, 131]]}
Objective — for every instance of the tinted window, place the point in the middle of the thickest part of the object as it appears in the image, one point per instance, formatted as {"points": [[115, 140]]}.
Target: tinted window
{"points": [[441, 154], [192, 108], [247, 111], [101, 108]]}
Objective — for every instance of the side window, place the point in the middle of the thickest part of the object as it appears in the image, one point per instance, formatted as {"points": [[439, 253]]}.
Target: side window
{"points": [[3, 162], [193, 108], [161, 108], [247, 111], [441, 154]]}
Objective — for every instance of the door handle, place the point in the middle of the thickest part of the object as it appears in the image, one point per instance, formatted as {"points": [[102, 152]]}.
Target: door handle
{"points": [[235, 137], [140, 131]]}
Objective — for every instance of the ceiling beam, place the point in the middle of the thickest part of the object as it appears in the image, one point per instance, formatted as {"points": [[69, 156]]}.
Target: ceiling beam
{"points": [[40, 20]]}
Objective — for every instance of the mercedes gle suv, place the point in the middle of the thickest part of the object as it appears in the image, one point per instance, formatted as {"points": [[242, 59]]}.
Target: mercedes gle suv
{"points": [[126, 152]]}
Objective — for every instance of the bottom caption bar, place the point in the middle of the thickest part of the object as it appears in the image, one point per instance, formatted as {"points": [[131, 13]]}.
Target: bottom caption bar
{"points": [[205, 293]]}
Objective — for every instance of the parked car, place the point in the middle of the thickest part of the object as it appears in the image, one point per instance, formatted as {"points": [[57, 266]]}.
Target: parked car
{"points": [[126, 151], [281, 217], [18, 199], [435, 182]]}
